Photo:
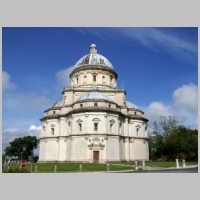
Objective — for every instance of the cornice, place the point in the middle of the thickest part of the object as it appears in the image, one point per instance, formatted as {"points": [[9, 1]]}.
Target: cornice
{"points": [[93, 67]]}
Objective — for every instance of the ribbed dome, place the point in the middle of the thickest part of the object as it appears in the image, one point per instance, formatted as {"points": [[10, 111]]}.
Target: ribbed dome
{"points": [[93, 96], [58, 104], [131, 105], [93, 59]]}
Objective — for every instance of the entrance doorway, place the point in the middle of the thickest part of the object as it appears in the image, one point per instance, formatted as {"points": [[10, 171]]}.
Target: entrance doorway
{"points": [[96, 156]]}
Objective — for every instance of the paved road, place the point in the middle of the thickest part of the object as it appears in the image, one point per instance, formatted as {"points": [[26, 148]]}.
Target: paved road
{"points": [[189, 170]]}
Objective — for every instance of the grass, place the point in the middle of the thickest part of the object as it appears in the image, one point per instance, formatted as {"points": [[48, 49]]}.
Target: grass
{"points": [[87, 167], [157, 164]]}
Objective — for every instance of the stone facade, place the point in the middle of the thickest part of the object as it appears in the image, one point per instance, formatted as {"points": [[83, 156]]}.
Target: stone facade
{"points": [[93, 122]]}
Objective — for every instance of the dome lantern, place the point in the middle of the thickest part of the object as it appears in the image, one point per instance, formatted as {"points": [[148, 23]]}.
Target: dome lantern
{"points": [[93, 48]]}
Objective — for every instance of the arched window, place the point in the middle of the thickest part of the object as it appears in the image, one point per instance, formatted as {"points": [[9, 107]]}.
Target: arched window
{"points": [[111, 128], [95, 126], [104, 79], [137, 129], [111, 79], [112, 125], [79, 122], [80, 127], [52, 131]]}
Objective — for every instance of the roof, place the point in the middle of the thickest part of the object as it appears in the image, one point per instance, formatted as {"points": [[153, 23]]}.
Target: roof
{"points": [[93, 59], [130, 105], [93, 96], [58, 104]]}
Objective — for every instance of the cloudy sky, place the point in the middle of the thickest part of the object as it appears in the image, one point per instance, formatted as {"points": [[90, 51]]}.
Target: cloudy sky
{"points": [[156, 66]]}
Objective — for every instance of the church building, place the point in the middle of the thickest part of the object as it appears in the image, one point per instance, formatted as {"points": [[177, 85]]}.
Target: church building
{"points": [[93, 122]]}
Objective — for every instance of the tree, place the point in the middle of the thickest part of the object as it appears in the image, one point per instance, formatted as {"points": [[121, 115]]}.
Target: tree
{"points": [[170, 140], [165, 125], [3, 157], [182, 143], [22, 148]]}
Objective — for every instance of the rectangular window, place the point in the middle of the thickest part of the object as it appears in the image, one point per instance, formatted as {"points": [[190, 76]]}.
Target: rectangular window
{"points": [[81, 105], [94, 78], [54, 112], [95, 104], [95, 126]]}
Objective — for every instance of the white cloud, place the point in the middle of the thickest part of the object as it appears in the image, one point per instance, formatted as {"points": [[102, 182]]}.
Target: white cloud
{"points": [[62, 77], [33, 128], [186, 97], [184, 107], [6, 83], [157, 109], [9, 134]]}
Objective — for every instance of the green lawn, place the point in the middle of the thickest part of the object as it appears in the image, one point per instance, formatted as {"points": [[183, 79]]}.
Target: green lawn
{"points": [[87, 167], [157, 164]]}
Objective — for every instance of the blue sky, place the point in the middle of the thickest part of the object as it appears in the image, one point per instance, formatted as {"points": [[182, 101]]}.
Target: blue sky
{"points": [[158, 68]]}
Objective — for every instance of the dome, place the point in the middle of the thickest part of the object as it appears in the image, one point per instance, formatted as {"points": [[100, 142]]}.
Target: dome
{"points": [[58, 104], [131, 105], [93, 96], [93, 59]]}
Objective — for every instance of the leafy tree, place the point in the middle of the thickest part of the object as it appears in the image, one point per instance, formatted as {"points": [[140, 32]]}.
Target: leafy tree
{"points": [[22, 148], [170, 140], [182, 143], [3, 157], [165, 125]]}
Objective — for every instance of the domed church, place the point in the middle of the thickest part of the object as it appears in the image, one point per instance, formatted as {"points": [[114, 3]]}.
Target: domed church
{"points": [[93, 122]]}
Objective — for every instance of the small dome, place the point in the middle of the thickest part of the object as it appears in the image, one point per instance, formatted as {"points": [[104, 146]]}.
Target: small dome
{"points": [[58, 104], [93, 45], [93, 96], [93, 59], [131, 105]]}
